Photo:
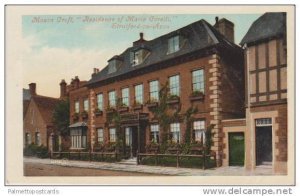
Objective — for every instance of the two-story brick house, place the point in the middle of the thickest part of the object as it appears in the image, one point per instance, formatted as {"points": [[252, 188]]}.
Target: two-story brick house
{"points": [[202, 68]]}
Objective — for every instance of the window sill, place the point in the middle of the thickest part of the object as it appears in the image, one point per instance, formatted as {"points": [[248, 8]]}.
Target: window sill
{"points": [[99, 113], [173, 101], [197, 98], [123, 109], [152, 105], [138, 107]]}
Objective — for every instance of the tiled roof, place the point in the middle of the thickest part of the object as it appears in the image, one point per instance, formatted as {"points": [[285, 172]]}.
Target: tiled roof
{"points": [[198, 35], [46, 106], [267, 26]]}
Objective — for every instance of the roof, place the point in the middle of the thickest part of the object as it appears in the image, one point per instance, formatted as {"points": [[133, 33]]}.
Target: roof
{"points": [[46, 106], [199, 35], [78, 124], [267, 26]]}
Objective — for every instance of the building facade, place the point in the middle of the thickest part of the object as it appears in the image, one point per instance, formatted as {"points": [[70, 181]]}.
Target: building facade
{"points": [[198, 65]]}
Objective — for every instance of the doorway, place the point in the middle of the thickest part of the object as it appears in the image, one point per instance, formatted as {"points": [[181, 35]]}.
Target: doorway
{"points": [[131, 140], [264, 145], [236, 149]]}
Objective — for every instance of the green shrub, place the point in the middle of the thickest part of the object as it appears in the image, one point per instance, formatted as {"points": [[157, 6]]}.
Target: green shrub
{"points": [[36, 151]]}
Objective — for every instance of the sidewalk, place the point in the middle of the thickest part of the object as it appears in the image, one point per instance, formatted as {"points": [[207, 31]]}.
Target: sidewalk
{"points": [[221, 171]]}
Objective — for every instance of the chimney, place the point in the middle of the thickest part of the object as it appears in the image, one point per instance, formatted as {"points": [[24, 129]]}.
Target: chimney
{"points": [[63, 89], [76, 82], [140, 41], [32, 89], [225, 27]]}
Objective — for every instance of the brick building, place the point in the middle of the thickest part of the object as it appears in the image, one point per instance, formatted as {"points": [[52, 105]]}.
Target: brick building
{"points": [[202, 68], [37, 121], [264, 130]]}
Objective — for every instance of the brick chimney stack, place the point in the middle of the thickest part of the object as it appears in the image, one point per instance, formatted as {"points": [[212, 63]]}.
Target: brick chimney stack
{"points": [[225, 27], [76, 82], [32, 89], [63, 89]]}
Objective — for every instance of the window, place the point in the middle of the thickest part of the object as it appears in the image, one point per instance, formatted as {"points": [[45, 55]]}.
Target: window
{"points": [[263, 122], [112, 98], [112, 134], [154, 129], [76, 106], [27, 139], [138, 89], [78, 138], [86, 105], [112, 66], [38, 138], [100, 135], [100, 101], [154, 94], [174, 85], [125, 96], [175, 131], [199, 129], [173, 44], [198, 81], [128, 136]]}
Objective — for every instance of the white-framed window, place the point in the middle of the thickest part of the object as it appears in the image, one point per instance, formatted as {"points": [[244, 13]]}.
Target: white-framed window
{"points": [[154, 90], [100, 137], [125, 96], [173, 44], [100, 101], [138, 96], [112, 66], [76, 106], [112, 134], [154, 129], [174, 85], [199, 130], [112, 98], [198, 80], [38, 138], [27, 139], [78, 138], [86, 105], [175, 131], [263, 122]]}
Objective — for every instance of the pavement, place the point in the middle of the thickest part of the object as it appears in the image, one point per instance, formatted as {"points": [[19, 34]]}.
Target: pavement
{"points": [[131, 167]]}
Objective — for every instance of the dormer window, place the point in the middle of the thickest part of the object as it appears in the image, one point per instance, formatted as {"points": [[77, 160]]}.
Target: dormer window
{"points": [[114, 63], [138, 56], [173, 44]]}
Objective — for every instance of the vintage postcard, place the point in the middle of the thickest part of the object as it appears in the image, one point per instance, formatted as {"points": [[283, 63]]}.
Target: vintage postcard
{"points": [[195, 95]]}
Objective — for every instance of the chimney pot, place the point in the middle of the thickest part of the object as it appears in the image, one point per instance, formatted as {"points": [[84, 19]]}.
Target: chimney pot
{"points": [[217, 19], [63, 89], [32, 89], [141, 36]]}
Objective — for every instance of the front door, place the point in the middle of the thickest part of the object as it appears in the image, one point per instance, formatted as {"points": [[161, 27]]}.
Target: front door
{"points": [[264, 145], [131, 140], [236, 149]]}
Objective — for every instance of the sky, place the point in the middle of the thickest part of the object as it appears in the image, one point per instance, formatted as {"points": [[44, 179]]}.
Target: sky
{"points": [[57, 47]]}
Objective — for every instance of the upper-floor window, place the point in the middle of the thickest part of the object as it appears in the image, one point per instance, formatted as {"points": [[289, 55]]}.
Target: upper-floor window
{"points": [[154, 90], [100, 135], [100, 101], [154, 129], [112, 98], [138, 90], [173, 44], [175, 131], [198, 81], [112, 134], [174, 85], [199, 129], [38, 138], [76, 106], [112, 66], [86, 105], [125, 96]]}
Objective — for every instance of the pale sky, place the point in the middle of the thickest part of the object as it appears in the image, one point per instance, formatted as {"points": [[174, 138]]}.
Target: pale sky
{"points": [[59, 47]]}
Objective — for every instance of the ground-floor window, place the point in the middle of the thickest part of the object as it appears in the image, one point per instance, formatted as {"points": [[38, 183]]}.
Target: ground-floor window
{"points": [[100, 135], [27, 139], [78, 138], [38, 138], [199, 130], [175, 132], [112, 134], [128, 136], [154, 129]]}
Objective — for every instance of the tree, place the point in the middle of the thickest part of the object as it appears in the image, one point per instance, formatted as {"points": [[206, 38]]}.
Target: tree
{"points": [[61, 117]]}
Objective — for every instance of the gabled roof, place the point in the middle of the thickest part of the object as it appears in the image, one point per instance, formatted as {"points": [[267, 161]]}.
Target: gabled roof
{"points": [[198, 35], [46, 106], [267, 26]]}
